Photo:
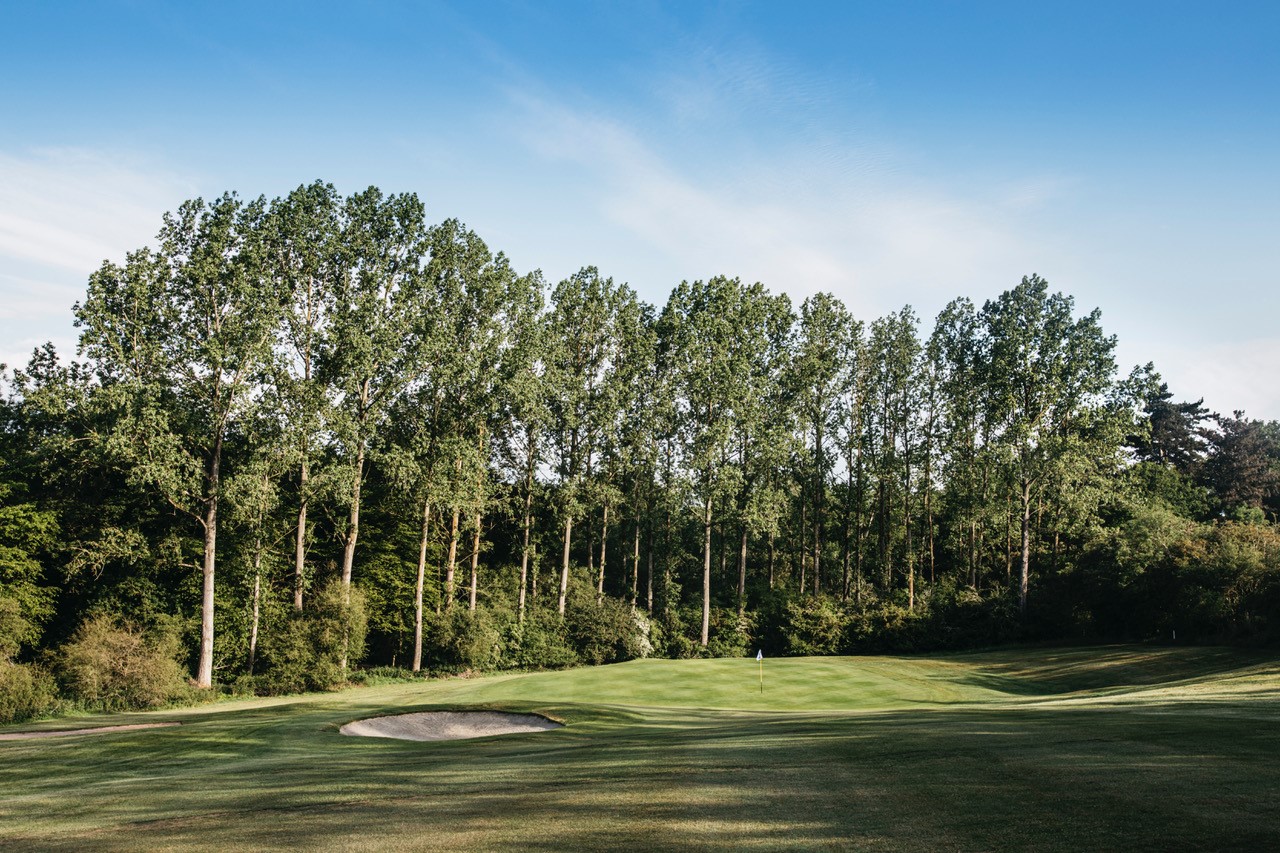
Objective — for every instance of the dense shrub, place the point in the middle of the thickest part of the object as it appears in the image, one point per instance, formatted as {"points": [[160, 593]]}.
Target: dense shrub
{"points": [[306, 652], [602, 629], [731, 634], [541, 642], [15, 628], [114, 666], [815, 625], [671, 632], [26, 691], [461, 639]]}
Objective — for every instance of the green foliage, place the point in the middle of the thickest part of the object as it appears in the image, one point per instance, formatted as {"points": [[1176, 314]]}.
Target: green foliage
{"points": [[541, 642], [731, 635], [306, 651], [26, 692], [340, 366], [26, 603], [672, 633], [461, 639], [15, 628], [601, 628], [814, 626], [112, 666]]}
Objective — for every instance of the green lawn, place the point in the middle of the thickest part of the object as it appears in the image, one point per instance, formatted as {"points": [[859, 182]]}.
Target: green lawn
{"points": [[1104, 749]]}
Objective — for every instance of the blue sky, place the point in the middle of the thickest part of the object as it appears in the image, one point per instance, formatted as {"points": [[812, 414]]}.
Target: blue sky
{"points": [[891, 153]]}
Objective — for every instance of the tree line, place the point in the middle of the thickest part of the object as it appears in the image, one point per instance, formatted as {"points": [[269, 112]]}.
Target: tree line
{"points": [[320, 422]]}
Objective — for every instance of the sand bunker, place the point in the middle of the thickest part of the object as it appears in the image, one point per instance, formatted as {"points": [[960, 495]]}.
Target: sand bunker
{"points": [[98, 730], [449, 725]]}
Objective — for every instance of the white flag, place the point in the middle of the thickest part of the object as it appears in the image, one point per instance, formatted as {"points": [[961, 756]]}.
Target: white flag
{"points": [[760, 655]]}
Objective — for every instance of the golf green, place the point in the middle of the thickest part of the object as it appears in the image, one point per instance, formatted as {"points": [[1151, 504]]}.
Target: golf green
{"points": [[1120, 747]]}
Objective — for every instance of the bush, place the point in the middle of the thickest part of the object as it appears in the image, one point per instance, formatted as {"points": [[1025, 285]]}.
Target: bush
{"points": [[602, 629], [15, 628], [540, 643], [383, 675], [307, 651], [116, 667], [731, 634], [815, 626], [462, 639], [670, 636], [26, 692]]}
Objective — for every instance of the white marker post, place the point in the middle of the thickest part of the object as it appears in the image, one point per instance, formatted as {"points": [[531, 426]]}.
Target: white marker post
{"points": [[760, 660]]}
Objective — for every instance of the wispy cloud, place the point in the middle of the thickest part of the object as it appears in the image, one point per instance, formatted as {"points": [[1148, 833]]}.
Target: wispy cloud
{"points": [[1229, 375], [62, 212], [70, 209], [802, 220]]}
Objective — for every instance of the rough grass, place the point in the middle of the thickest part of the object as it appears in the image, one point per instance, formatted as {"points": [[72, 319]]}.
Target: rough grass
{"points": [[1111, 748]]}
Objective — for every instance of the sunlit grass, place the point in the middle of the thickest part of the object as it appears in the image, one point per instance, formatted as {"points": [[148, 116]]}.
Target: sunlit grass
{"points": [[1112, 748]]}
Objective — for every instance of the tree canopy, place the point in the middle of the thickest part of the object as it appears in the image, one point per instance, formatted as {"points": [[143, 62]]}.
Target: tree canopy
{"points": [[294, 419]]}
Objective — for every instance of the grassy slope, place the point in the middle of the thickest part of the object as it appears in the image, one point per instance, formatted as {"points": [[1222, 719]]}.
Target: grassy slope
{"points": [[1047, 749]]}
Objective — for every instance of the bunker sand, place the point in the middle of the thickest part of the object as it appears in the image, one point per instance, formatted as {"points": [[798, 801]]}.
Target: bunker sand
{"points": [[449, 725]]}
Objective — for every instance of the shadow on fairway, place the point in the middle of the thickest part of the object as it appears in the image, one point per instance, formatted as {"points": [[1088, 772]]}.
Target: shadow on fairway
{"points": [[1060, 671], [1156, 775]]}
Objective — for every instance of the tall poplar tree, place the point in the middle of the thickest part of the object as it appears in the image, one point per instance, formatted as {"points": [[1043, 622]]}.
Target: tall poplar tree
{"points": [[303, 259], [705, 330], [1043, 369], [817, 374], [178, 337], [581, 331], [374, 348]]}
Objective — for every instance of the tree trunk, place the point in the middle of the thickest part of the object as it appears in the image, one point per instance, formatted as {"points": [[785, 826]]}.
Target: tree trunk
{"points": [[907, 550], [844, 533], [724, 547], [524, 546], [475, 562], [635, 566], [417, 587], [804, 531], [353, 526], [204, 670], [300, 549], [706, 575], [452, 563], [649, 576], [973, 553], [857, 534], [1008, 537], [928, 503], [817, 557], [604, 541], [666, 558], [742, 574], [475, 542], [1026, 546], [819, 495], [564, 565], [533, 576], [349, 549], [772, 554], [257, 600], [882, 530]]}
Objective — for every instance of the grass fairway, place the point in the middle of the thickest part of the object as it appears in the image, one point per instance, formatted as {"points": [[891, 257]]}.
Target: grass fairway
{"points": [[1102, 749]]}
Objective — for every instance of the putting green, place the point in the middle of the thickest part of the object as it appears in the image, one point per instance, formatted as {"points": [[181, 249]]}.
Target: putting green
{"points": [[1117, 747]]}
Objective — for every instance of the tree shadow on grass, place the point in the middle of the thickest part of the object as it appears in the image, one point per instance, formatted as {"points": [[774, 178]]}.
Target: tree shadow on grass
{"points": [[1065, 778], [1039, 673]]}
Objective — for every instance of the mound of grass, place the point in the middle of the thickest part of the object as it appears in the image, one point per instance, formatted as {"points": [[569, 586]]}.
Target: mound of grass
{"points": [[1115, 748]]}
